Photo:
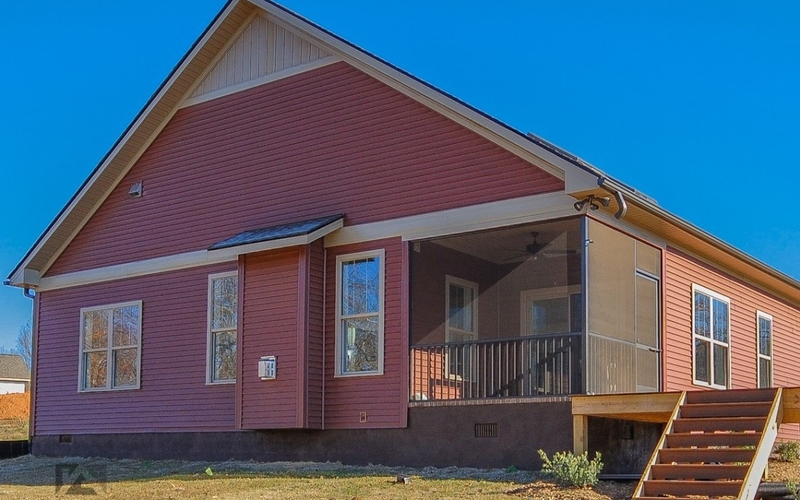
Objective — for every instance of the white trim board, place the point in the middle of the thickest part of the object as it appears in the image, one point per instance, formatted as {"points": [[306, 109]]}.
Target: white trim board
{"points": [[442, 223], [459, 220], [263, 80]]}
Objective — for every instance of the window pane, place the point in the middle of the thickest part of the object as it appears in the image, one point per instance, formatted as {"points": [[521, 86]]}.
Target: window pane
{"points": [[225, 356], [125, 367], [461, 307], [223, 314], [550, 315], [360, 286], [720, 365], [764, 373], [95, 329], [702, 314], [765, 336], [701, 361], [126, 326], [94, 366], [361, 344], [720, 321]]}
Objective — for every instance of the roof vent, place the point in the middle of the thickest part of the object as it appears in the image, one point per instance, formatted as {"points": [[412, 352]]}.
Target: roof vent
{"points": [[137, 188]]}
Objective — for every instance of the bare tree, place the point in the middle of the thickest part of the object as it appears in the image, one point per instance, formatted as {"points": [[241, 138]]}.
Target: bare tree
{"points": [[24, 345]]}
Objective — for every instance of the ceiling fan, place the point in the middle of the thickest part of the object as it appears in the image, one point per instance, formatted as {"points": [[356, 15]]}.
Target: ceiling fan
{"points": [[537, 248]]}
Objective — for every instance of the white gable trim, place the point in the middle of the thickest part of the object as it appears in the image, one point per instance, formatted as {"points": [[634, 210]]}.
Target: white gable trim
{"points": [[278, 75]]}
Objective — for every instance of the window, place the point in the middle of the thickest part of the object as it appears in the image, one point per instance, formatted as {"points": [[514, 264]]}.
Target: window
{"points": [[711, 334], [110, 347], [223, 291], [764, 349], [461, 322], [359, 313], [551, 310]]}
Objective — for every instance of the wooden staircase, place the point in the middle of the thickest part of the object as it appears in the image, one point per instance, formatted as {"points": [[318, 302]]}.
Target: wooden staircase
{"points": [[716, 444]]}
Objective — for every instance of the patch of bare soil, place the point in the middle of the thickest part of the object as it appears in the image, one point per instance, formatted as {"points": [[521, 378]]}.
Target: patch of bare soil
{"points": [[780, 472], [15, 406], [604, 490]]}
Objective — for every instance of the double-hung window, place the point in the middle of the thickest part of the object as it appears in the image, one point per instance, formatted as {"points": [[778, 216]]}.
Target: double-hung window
{"points": [[764, 325], [359, 313], [222, 320], [711, 336], [461, 320], [110, 347]]}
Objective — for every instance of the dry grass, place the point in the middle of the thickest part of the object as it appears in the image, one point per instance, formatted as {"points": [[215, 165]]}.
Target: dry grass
{"points": [[14, 429], [34, 478]]}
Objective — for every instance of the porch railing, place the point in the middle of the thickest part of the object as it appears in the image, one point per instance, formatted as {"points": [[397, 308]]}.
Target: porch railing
{"points": [[515, 367]]}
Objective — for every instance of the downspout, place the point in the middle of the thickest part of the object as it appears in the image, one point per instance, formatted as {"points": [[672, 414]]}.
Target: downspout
{"points": [[621, 203]]}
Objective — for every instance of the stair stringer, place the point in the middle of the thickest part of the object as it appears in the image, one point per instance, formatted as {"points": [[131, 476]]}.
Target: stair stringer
{"points": [[763, 449], [676, 412]]}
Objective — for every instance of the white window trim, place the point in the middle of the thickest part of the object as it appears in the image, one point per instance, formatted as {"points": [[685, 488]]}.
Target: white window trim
{"points": [[556, 292], [759, 356], [465, 284], [340, 259], [109, 350], [711, 340], [209, 337]]}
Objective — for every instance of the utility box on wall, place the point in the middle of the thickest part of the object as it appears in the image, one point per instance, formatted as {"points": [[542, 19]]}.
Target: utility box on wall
{"points": [[268, 367]]}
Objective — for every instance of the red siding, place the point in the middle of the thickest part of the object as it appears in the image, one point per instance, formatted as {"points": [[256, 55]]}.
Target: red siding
{"points": [[681, 271], [270, 328], [173, 395], [316, 335], [382, 397], [332, 140]]}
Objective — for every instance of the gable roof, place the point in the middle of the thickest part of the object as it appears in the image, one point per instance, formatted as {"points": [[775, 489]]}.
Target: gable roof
{"points": [[580, 177], [12, 367]]}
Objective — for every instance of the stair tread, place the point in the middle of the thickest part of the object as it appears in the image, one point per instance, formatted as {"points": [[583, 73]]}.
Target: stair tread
{"points": [[736, 395], [699, 471], [689, 487]]}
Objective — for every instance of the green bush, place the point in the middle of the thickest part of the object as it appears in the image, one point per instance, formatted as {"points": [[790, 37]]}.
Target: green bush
{"points": [[571, 469], [789, 451]]}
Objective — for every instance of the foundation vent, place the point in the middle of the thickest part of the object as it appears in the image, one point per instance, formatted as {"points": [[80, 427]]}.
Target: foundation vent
{"points": [[485, 430]]}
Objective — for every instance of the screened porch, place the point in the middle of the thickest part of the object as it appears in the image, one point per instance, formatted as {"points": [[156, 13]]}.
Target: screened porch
{"points": [[503, 313]]}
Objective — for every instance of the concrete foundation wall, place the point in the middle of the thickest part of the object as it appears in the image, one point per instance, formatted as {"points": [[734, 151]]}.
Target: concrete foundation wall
{"points": [[436, 436]]}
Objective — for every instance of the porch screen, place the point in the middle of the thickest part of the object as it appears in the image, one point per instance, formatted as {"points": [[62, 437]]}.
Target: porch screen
{"points": [[623, 291]]}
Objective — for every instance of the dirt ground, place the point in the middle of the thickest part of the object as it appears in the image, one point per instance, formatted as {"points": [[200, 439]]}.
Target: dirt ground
{"points": [[15, 406]]}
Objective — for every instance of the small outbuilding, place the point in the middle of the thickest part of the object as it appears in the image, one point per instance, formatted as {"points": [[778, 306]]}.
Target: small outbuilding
{"points": [[14, 374]]}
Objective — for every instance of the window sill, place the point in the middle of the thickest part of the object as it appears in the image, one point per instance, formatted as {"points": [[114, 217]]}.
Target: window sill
{"points": [[359, 374], [104, 389], [222, 382], [704, 385]]}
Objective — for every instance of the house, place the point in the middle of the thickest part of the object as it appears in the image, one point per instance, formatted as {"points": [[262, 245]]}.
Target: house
{"points": [[14, 374], [298, 251]]}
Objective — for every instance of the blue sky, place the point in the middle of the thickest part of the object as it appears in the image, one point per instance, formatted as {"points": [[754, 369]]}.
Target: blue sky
{"points": [[694, 103]]}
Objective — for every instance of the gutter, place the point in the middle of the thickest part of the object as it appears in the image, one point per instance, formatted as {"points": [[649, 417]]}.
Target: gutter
{"points": [[649, 205]]}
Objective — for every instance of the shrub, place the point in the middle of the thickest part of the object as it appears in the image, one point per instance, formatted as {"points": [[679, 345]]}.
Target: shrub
{"points": [[789, 451], [571, 469]]}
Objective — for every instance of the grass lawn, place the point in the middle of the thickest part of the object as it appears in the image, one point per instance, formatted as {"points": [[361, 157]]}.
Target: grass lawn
{"points": [[34, 477], [13, 430]]}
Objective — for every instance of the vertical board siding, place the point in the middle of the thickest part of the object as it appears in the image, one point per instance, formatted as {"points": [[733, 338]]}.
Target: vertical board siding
{"points": [[269, 328], [316, 335], [173, 394], [681, 271], [380, 396], [331, 140], [261, 49]]}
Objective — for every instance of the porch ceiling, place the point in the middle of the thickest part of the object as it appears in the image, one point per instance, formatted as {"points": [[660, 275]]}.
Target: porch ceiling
{"points": [[508, 246]]}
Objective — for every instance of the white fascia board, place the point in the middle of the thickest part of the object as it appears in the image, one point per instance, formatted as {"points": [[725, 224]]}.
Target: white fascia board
{"points": [[459, 220], [176, 262], [133, 269], [25, 278], [113, 154], [576, 178]]}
